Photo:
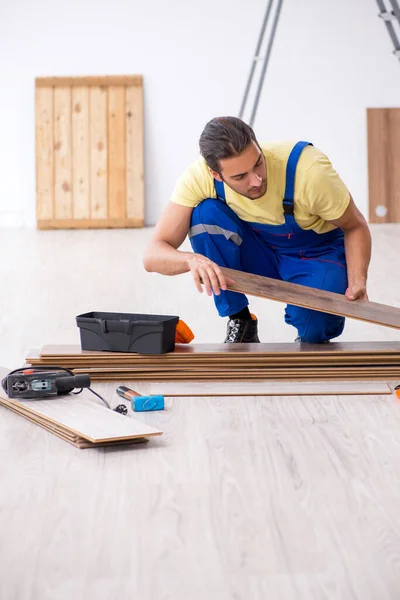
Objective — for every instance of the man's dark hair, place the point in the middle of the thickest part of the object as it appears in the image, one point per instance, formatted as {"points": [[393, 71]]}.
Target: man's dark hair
{"points": [[224, 137]]}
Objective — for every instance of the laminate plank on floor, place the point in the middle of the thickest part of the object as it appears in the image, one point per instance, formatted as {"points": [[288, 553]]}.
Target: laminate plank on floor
{"points": [[255, 388], [64, 434], [81, 417]]}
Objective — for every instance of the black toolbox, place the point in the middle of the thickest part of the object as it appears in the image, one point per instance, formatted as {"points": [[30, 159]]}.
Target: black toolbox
{"points": [[126, 332]]}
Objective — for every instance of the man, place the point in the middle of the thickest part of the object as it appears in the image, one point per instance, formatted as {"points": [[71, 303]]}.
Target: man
{"points": [[277, 210]]}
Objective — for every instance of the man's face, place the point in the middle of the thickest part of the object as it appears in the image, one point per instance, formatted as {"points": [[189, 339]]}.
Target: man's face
{"points": [[246, 174]]}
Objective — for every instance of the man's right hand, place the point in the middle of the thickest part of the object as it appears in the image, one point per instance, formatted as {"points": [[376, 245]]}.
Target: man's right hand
{"points": [[206, 272]]}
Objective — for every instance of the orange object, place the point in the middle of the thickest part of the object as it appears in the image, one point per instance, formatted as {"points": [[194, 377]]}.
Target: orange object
{"points": [[398, 394], [183, 334]]}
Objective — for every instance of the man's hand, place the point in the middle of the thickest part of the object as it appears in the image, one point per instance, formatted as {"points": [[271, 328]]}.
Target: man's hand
{"points": [[208, 273], [357, 291]]}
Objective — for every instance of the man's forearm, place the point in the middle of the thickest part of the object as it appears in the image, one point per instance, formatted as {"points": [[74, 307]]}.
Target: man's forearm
{"points": [[358, 254], [162, 258]]}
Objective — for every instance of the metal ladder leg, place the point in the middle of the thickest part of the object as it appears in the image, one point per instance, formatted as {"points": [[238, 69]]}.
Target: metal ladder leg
{"points": [[257, 58], [389, 17]]}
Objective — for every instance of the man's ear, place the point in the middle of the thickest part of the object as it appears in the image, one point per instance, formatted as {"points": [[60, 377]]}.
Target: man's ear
{"points": [[216, 175]]}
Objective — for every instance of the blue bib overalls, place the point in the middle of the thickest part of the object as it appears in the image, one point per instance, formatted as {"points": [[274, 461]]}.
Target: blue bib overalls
{"points": [[284, 252]]}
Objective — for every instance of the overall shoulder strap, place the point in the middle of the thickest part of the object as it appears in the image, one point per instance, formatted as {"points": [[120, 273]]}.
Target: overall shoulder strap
{"points": [[290, 176], [220, 190]]}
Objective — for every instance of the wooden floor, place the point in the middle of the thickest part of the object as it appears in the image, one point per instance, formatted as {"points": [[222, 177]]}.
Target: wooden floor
{"points": [[281, 498]]}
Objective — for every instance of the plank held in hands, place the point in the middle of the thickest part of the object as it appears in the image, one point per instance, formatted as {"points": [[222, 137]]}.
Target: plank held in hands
{"points": [[307, 297]]}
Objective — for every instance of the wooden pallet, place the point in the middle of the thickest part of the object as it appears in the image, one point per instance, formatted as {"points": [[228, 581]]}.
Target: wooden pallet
{"points": [[89, 152]]}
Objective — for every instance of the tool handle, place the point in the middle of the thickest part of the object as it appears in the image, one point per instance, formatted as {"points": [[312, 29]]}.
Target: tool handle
{"points": [[126, 393], [116, 326], [123, 325]]}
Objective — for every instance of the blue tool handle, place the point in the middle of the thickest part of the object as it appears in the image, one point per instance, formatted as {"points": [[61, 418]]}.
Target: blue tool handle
{"points": [[146, 403]]}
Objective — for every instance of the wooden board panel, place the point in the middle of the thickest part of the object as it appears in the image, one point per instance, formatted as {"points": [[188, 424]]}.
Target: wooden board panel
{"points": [[118, 378], [231, 350], [58, 431], [44, 153], [81, 416], [271, 388], [393, 171], [299, 295], [98, 153], [89, 420], [62, 153], [116, 153], [89, 152], [237, 363], [134, 153], [234, 362], [89, 223], [80, 153], [383, 125], [94, 80]]}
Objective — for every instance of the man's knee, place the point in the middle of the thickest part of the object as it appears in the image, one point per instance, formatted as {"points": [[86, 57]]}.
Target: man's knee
{"points": [[315, 327], [214, 218], [212, 210]]}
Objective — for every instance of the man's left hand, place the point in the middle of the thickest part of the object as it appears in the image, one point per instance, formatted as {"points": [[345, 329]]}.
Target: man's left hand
{"points": [[357, 291]]}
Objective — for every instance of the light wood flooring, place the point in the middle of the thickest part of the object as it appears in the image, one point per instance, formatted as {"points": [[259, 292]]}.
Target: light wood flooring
{"points": [[278, 498]]}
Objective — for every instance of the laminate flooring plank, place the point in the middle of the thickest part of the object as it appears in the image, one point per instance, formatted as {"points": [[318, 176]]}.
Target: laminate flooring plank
{"points": [[64, 434], [118, 378], [88, 420], [274, 348], [83, 417], [320, 300], [236, 370], [272, 388]]}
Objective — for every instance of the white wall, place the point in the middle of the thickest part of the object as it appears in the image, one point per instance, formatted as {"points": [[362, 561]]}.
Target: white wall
{"points": [[331, 59]]}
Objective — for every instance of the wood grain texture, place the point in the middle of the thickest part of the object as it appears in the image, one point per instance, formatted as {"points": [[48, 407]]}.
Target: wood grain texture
{"points": [[94, 80], [98, 153], [383, 130], [219, 501], [44, 153], [321, 300], [79, 416], [80, 153], [134, 153], [235, 362], [231, 350], [254, 388], [116, 153], [62, 154], [258, 498], [89, 223], [62, 433], [89, 152]]}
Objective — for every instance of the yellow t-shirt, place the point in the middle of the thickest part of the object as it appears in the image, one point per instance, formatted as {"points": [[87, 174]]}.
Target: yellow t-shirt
{"points": [[320, 194]]}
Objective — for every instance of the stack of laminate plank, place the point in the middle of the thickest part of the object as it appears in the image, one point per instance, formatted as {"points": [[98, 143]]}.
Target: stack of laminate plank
{"points": [[80, 421], [233, 362]]}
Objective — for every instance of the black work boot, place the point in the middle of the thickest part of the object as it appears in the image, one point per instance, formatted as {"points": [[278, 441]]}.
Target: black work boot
{"points": [[242, 331]]}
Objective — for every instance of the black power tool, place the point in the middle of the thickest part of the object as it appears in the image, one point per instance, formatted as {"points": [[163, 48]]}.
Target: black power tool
{"points": [[44, 382]]}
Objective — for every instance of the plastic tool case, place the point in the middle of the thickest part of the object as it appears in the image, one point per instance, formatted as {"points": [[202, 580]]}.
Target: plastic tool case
{"points": [[125, 332]]}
